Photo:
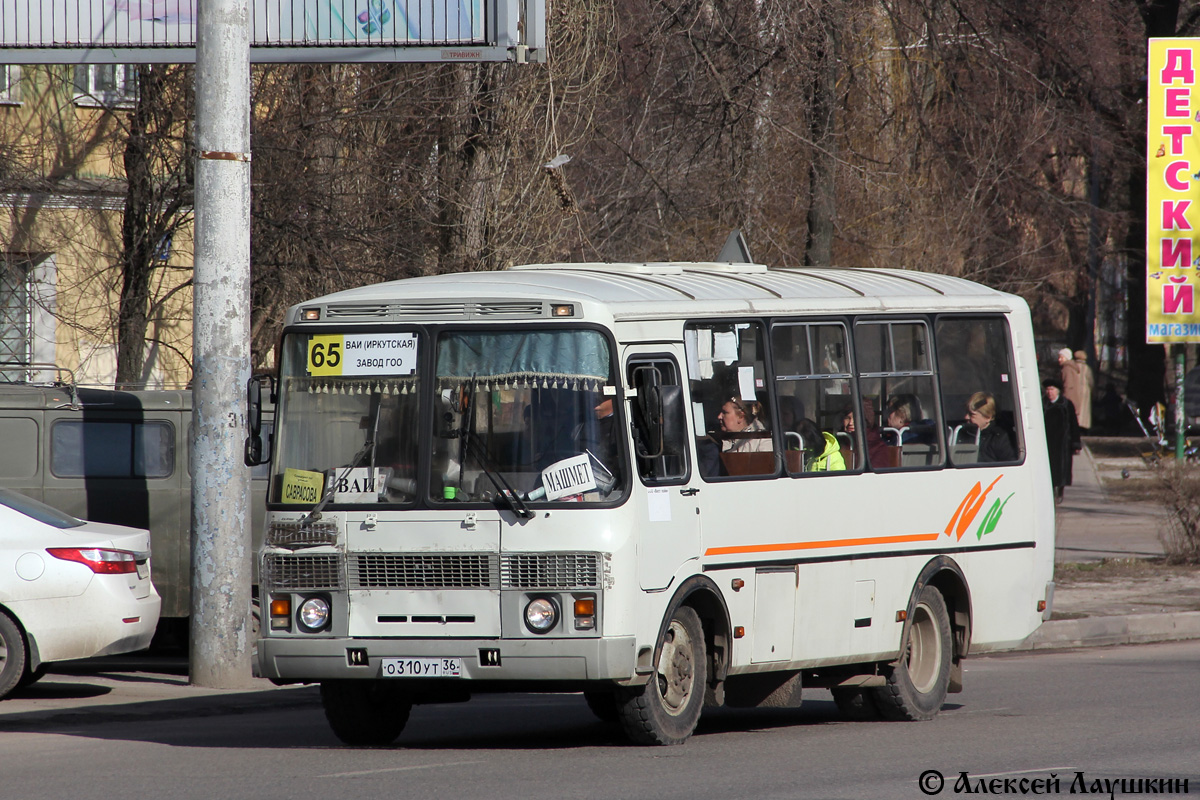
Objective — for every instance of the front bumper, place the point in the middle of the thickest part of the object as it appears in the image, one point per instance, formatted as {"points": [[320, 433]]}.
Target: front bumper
{"points": [[316, 659]]}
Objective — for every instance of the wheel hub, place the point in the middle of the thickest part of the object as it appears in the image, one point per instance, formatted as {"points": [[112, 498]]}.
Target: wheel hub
{"points": [[675, 669]]}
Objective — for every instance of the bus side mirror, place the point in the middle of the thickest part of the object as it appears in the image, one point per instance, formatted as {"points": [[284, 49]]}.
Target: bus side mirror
{"points": [[662, 412], [254, 446]]}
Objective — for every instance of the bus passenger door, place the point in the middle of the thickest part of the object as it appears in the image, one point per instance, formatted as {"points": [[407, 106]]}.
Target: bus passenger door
{"points": [[666, 504]]}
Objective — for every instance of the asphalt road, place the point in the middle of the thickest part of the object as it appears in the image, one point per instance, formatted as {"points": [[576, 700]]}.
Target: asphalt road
{"points": [[1127, 712]]}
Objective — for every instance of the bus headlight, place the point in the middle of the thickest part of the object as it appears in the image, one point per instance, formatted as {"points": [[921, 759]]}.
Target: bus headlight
{"points": [[541, 615], [313, 614]]}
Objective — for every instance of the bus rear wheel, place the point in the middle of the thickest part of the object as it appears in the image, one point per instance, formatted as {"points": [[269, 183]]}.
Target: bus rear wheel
{"points": [[365, 713], [917, 683], [665, 711]]}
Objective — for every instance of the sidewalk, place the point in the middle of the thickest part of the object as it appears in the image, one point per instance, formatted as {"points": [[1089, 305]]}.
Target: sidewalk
{"points": [[1093, 527], [1147, 606]]}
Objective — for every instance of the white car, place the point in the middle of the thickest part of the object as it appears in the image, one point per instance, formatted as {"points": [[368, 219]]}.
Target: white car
{"points": [[68, 589]]}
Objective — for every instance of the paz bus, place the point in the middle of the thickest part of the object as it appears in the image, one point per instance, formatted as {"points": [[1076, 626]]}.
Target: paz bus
{"points": [[663, 486]]}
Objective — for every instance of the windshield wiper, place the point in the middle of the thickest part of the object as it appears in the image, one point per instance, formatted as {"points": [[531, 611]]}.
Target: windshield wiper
{"points": [[469, 443], [504, 492], [356, 461]]}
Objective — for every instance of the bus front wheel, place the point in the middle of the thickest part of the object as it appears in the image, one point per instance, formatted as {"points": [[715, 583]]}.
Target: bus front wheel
{"points": [[365, 713], [665, 711], [917, 683]]}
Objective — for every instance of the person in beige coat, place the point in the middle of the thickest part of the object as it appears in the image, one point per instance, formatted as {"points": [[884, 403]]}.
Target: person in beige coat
{"points": [[1083, 406], [1072, 380]]}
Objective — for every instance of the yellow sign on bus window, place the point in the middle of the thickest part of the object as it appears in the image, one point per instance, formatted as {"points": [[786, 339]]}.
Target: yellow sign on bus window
{"points": [[325, 355], [302, 486], [362, 354]]}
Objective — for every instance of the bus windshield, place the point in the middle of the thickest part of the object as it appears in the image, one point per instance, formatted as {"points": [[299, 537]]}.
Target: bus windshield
{"points": [[531, 412], [517, 417], [348, 419]]}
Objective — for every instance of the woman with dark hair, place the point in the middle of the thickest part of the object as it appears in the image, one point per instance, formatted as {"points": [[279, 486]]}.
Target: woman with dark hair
{"points": [[1062, 434], [822, 453]]}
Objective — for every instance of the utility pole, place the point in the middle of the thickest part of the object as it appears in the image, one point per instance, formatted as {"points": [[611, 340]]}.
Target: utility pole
{"points": [[221, 555]]}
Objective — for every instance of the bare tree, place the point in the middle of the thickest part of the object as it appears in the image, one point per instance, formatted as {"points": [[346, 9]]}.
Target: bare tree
{"points": [[157, 204]]}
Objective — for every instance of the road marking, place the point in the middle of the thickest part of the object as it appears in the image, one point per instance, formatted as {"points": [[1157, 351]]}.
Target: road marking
{"points": [[398, 769], [1024, 772]]}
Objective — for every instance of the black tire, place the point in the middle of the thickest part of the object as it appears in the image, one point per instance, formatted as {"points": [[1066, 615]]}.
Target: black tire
{"points": [[917, 683], [856, 704], [603, 705], [12, 654], [365, 713], [665, 711]]}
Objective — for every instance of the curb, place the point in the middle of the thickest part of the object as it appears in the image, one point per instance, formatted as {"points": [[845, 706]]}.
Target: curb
{"points": [[1106, 631]]}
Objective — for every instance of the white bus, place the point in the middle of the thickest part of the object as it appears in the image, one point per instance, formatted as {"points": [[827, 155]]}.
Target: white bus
{"points": [[662, 485]]}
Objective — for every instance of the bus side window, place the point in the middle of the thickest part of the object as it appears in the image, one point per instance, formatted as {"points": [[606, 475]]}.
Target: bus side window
{"points": [[654, 467], [814, 397], [895, 375], [728, 388], [973, 359]]}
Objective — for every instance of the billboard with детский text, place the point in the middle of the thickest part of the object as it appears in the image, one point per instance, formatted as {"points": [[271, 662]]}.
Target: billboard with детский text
{"points": [[1172, 192]]}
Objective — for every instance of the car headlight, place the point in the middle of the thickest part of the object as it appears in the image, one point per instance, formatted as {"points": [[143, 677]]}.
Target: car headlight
{"points": [[313, 614], [541, 615]]}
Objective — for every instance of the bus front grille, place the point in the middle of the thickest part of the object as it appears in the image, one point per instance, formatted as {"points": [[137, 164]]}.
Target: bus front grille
{"points": [[474, 571], [293, 535], [423, 571], [303, 572], [550, 571]]}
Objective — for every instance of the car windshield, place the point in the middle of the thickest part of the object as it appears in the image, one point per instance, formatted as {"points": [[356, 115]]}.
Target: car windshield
{"points": [[348, 419], [531, 412], [37, 510]]}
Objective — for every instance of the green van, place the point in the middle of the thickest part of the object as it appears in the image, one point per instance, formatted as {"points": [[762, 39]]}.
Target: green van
{"points": [[113, 456]]}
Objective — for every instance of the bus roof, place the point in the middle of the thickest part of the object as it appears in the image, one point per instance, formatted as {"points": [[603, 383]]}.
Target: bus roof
{"points": [[629, 291]]}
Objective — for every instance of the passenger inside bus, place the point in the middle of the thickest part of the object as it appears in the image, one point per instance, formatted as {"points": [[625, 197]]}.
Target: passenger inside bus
{"points": [[877, 449], [903, 412], [994, 444], [742, 430], [822, 453], [598, 435]]}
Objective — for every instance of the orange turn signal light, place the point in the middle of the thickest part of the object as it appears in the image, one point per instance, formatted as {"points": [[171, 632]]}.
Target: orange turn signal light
{"points": [[281, 607], [585, 607]]}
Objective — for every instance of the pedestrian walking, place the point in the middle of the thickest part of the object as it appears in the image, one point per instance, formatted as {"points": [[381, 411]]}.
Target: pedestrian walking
{"points": [[1069, 377], [1083, 405], [1062, 434]]}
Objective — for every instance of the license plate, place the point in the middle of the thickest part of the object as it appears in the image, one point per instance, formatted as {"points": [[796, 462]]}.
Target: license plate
{"points": [[143, 569], [422, 667]]}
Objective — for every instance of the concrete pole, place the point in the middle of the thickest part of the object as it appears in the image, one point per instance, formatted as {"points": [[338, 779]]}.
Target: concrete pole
{"points": [[221, 556]]}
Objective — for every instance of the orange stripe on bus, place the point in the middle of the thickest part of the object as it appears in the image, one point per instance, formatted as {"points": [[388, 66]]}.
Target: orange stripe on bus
{"points": [[773, 548]]}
